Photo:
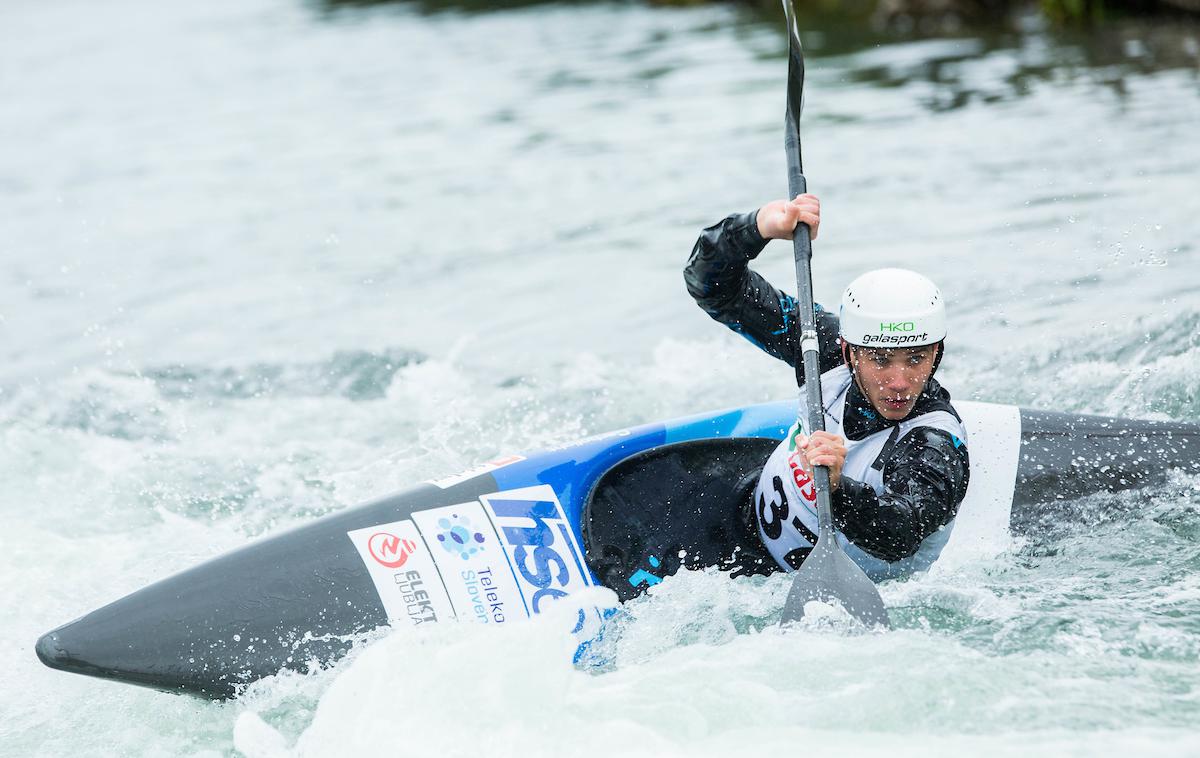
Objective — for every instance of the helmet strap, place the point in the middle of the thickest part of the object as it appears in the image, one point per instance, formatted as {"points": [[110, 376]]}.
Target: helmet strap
{"points": [[937, 359], [850, 359]]}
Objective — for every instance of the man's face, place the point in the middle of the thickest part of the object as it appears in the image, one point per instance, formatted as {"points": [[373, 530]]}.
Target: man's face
{"points": [[893, 379]]}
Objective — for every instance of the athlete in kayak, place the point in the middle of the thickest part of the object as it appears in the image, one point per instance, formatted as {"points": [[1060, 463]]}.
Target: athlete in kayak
{"points": [[895, 446]]}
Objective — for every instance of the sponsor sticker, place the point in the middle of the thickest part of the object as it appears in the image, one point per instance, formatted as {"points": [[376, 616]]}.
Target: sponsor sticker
{"points": [[496, 560], [471, 473], [893, 339], [533, 530], [388, 550], [479, 578], [405, 576]]}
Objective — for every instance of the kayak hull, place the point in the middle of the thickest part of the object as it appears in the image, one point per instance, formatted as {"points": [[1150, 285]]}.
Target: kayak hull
{"points": [[496, 544]]}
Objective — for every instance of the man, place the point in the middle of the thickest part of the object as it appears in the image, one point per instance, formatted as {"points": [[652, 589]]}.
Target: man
{"points": [[895, 447]]}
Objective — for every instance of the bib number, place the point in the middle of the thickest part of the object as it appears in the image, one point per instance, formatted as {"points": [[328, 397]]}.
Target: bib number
{"points": [[773, 526], [772, 515]]}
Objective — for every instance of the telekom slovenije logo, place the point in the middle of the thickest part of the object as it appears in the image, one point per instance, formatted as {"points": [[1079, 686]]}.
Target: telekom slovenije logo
{"points": [[390, 550]]}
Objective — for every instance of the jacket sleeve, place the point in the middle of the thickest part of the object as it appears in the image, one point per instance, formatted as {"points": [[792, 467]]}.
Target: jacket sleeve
{"points": [[924, 482], [719, 278]]}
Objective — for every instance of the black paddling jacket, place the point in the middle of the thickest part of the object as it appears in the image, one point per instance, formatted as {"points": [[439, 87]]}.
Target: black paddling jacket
{"points": [[925, 473]]}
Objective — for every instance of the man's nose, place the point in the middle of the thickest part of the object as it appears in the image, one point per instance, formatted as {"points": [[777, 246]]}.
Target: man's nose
{"points": [[897, 380]]}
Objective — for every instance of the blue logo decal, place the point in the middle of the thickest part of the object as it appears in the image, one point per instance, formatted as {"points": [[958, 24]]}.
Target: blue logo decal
{"points": [[957, 442], [642, 576], [457, 536], [538, 540]]}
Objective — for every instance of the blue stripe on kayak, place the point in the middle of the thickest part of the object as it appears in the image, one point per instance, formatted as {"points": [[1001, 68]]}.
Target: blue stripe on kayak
{"points": [[572, 470]]}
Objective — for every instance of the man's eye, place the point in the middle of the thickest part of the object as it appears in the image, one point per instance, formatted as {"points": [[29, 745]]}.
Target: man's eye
{"points": [[916, 360]]}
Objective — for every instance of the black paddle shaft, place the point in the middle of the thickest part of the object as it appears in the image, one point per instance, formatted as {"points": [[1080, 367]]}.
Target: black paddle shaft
{"points": [[827, 574], [802, 248]]}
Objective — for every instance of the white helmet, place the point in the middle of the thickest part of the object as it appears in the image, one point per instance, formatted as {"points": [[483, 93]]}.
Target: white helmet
{"points": [[892, 307]]}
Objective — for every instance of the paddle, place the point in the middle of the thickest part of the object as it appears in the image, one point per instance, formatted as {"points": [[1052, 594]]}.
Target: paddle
{"points": [[827, 573]]}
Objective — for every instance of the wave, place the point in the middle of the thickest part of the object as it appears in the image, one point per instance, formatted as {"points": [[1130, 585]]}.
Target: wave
{"points": [[352, 374], [1146, 368]]}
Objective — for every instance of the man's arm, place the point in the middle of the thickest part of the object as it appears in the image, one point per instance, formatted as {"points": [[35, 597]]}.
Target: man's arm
{"points": [[924, 480], [719, 278]]}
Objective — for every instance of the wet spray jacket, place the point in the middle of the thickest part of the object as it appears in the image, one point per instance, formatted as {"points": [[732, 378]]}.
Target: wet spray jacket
{"points": [[902, 482]]}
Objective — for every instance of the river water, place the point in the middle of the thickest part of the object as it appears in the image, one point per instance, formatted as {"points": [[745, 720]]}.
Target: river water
{"points": [[264, 259]]}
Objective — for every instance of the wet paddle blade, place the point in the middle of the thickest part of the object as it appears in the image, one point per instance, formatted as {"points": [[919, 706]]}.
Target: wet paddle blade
{"points": [[828, 574]]}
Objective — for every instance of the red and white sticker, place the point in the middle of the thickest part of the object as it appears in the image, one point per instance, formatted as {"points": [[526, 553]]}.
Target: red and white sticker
{"points": [[404, 573], [389, 550]]}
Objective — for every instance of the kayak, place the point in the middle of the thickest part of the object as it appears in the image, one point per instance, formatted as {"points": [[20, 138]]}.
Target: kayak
{"points": [[503, 542]]}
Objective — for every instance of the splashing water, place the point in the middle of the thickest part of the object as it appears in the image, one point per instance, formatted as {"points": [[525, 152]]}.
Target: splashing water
{"points": [[264, 260]]}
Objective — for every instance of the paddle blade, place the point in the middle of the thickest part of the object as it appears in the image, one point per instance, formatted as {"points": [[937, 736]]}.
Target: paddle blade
{"points": [[795, 87], [828, 574]]}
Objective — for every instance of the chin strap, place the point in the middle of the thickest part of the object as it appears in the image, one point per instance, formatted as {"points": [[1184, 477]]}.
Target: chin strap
{"points": [[851, 360], [937, 359]]}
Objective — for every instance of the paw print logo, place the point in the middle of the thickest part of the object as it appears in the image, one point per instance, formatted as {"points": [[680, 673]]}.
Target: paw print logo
{"points": [[458, 536]]}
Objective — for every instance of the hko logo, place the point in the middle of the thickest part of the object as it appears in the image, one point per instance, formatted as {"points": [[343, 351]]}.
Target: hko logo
{"points": [[897, 326], [389, 550]]}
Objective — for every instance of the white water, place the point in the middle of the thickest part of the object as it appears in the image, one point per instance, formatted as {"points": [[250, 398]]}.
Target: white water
{"points": [[262, 260]]}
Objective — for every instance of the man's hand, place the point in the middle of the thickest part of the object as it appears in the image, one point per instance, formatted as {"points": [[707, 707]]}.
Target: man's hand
{"points": [[777, 220], [823, 449]]}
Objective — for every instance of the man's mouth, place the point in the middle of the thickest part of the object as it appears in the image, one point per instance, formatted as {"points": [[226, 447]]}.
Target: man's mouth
{"points": [[896, 403]]}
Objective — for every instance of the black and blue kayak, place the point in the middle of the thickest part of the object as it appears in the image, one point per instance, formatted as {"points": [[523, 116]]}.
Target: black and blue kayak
{"points": [[502, 543]]}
